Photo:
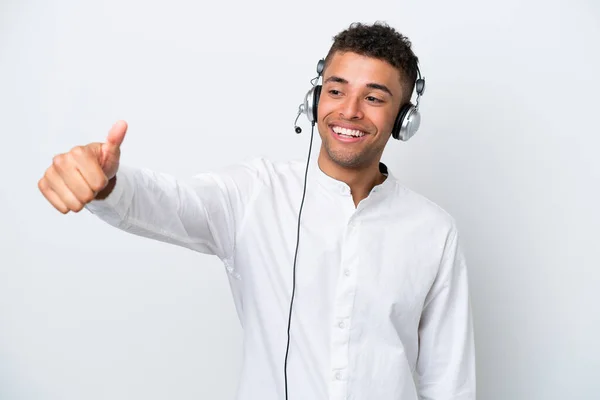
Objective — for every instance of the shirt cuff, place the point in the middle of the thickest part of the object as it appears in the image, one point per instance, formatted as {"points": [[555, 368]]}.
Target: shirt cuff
{"points": [[114, 201]]}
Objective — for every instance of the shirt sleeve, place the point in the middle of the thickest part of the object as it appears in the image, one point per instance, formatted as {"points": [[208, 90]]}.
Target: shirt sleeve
{"points": [[446, 363], [202, 213]]}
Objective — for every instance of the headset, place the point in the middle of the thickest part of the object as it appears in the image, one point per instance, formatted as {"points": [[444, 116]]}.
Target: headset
{"points": [[406, 125]]}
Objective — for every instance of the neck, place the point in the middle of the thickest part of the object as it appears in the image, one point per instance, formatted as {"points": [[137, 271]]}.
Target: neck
{"points": [[361, 180]]}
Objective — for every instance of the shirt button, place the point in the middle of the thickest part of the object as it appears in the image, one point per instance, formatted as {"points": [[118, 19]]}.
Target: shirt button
{"points": [[338, 375], [347, 272], [342, 325]]}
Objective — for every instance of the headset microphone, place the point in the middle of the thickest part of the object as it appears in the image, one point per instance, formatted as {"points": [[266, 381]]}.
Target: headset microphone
{"points": [[296, 127]]}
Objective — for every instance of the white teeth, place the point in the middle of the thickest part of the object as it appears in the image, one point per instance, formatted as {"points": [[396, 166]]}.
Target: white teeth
{"points": [[347, 132]]}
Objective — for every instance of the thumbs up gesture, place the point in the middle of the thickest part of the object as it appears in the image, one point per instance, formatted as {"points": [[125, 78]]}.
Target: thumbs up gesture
{"points": [[84, 173]]}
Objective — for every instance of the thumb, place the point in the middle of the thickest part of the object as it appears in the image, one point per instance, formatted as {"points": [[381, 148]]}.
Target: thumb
{"points": [[115, 137]]}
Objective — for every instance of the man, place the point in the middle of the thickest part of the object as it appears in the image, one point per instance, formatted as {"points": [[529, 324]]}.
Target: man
{"points": [[374, 271]]}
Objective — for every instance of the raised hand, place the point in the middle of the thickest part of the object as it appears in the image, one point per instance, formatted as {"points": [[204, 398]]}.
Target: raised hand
{"points": [[84, 173]]}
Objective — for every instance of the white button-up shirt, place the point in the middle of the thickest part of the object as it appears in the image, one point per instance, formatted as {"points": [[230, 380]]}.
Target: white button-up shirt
{"points": [[381, 307]]}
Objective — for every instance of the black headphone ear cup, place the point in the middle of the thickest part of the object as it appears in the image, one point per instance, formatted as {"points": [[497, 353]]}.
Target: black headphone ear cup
{"points": [[316, 97], [399, 119]]}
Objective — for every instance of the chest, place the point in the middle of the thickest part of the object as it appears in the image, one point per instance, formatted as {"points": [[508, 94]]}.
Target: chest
{"points": [[371, 258]]}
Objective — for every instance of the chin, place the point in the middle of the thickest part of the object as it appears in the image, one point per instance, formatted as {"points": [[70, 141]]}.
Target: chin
{"points": [[347, 159]]}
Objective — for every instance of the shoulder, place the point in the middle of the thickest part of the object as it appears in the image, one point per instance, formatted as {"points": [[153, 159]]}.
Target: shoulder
{"points": [[259, 170], [266, 169]]}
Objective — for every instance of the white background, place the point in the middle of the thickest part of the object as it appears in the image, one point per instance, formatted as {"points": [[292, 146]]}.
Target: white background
{"points": [[508, 145]]}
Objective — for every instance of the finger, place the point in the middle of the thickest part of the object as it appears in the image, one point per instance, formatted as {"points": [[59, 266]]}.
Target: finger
{"points": [[52, 196], [87, 164], [115, 137], [72, 178], [57, 184], [116, 134]]}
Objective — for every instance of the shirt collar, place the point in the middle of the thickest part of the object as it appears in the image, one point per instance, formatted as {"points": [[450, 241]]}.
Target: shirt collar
{"points": [[337, 186]]}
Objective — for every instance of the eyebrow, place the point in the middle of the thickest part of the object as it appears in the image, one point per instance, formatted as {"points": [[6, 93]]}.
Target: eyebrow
{"points": [[371, 85]]}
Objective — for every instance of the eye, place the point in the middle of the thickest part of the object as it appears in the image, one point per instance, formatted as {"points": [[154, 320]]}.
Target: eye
{"points": [[374, 99], [334, 92]]}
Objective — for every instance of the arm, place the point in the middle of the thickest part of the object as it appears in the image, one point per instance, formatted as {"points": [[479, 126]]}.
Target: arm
{"points": [[446, 364], [200, 213]]}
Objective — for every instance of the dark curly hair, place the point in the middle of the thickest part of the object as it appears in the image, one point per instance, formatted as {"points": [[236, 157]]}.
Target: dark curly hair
{"points": [[379, 41]]}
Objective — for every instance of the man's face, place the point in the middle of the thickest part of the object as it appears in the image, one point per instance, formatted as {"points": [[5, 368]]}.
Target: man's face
{"points": [[359, 102]]}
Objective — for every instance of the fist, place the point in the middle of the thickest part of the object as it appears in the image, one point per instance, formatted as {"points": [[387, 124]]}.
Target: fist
{"points": [[84, 173]]}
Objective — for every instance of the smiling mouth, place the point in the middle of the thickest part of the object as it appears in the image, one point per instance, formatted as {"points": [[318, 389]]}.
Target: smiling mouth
{"points": [[349, 133]]}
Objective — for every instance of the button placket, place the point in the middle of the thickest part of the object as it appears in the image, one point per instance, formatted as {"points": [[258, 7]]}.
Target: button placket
{"points": [[344, 303], [350, 234]]}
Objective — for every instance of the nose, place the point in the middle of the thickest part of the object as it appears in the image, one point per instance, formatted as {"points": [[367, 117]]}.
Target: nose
{"points": [[351, 108]]}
